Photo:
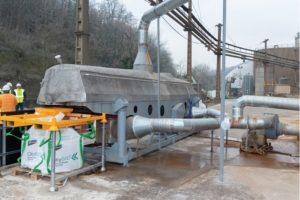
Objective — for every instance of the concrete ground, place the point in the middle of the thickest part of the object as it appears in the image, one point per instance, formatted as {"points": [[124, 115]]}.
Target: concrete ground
{"points": [[185, 170]]}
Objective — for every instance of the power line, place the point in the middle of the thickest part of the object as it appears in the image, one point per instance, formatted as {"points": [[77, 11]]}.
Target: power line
{"points": [[178, 32], [197, 14], [199, 11]]}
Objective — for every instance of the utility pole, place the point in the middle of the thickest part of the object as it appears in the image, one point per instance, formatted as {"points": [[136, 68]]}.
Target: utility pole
{"points": [[189, 46], [265, 66], [158, 63], [218, 71], [82, 33]]}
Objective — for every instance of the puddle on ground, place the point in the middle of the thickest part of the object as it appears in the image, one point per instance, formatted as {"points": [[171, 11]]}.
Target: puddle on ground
{"points": [[170, 167]]}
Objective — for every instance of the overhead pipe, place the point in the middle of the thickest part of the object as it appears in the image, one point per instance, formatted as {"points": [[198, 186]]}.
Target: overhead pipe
{"points": [[260, 101], [138, 126], [142, 60]]}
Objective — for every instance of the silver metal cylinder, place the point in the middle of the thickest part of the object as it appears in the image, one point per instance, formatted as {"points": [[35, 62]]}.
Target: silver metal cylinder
{"points": [[261, 101], [287, 129], [143, 61], [252, 123], [200, 112], [140, 126]]}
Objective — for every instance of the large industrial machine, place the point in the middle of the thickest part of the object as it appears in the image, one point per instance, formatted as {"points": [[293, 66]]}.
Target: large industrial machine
{"points": [[130, 100]]}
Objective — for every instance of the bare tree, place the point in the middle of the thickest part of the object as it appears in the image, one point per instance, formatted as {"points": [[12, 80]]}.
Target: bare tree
{"points": [[203, 74]]}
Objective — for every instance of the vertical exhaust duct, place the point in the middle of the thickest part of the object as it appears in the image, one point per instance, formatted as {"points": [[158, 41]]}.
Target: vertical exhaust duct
{"points": [[142, 60]]}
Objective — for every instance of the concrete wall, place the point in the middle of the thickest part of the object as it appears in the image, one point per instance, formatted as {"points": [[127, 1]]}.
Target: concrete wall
{"points": [[274, 72], [259, 79]]}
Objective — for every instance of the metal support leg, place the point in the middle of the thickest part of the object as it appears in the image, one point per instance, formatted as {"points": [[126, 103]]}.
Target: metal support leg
{"points": [[150, 140], [212, 141], [52, 186], [121, 131], [226, 136], [103, 148], [159, 143], [4, 143], [120, 107]]}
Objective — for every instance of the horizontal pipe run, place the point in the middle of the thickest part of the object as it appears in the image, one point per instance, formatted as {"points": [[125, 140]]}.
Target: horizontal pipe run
{"points": [[138, 126], [204, 112], [261, 101], [252, 123], [287, 129]]}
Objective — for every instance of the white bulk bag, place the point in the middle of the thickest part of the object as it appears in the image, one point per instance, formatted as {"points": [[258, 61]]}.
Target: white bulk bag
{"points": [[31, 153], [68, 153]]}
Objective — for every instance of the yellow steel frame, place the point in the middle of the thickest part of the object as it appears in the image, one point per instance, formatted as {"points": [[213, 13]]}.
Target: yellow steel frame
{"points": [[270, 84], [70, 119]]}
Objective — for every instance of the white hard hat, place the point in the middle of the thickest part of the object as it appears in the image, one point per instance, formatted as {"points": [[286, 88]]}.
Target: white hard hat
{"points": [[9, 84], [6, 87], [18, 85]]}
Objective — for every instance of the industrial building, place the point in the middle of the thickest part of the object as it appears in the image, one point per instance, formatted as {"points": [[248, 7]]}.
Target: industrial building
{"points": [[269, 82], [238, 79], [136, 113]]}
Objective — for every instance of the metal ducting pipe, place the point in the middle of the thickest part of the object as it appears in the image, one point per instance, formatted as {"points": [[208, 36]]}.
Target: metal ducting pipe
{"points": [[252, 123], [287, 129], [203, 112], [259, 101], [142, 60], [138, 126]]}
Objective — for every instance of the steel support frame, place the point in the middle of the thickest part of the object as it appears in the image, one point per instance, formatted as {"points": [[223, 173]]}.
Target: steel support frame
{"points": [[133, 153]]}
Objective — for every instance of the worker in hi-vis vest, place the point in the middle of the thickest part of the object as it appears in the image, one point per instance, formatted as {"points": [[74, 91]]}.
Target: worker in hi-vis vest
{"points": [[21, 97], [10, 88], [7, 101]]}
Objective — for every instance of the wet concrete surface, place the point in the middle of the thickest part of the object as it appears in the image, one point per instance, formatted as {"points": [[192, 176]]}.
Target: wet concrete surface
{"points": [[183, 171]]}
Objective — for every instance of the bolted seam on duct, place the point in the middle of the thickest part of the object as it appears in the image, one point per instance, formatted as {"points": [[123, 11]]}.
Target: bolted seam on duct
{"points": [[259, 101], [142, 60]]}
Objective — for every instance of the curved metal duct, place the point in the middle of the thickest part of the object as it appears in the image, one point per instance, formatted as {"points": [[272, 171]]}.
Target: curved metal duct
{"points": [[142, 60], [138, 126], [259, 101], [203, 112]]}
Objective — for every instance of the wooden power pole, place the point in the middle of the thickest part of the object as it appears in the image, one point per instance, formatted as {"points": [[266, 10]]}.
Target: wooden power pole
{"points": [[265, 66], [189, 46], [82, 33], [218, 71]]}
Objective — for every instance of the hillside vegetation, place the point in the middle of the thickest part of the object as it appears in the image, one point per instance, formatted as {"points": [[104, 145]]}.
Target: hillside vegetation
{"points": [[32, 32]]}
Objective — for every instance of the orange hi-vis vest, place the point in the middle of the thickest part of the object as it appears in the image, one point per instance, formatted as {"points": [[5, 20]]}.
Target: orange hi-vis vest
{"points": [[19, 95]]}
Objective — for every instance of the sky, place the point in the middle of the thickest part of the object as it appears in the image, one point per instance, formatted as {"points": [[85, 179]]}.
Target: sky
{"points": [[249, 22]]}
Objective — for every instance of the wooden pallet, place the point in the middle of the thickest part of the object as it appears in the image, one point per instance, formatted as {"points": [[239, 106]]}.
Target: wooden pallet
{"points": [[36, 176]]}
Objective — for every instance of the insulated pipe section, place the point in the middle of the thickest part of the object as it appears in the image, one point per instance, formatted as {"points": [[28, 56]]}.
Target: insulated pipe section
{"points": [[142, 60], [287, 129], [259, 101], [203, 112], [252, 123], [138, 126]]}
